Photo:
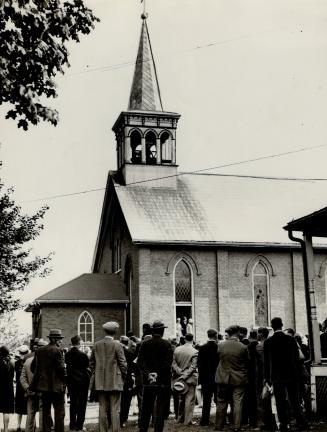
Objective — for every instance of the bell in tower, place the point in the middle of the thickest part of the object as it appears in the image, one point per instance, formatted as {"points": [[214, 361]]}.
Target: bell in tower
{"points": [[145, 133]]}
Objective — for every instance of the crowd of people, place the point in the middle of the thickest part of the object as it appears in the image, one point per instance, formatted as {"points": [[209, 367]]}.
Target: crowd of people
{"points": [[262, 378]]}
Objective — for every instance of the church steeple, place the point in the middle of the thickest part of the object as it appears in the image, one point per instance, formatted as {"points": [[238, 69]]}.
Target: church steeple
{"points": [[145, 134], [145, 92]]}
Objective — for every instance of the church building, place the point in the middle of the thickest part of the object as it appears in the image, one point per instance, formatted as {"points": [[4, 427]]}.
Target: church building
{"points": [[172, 244]]}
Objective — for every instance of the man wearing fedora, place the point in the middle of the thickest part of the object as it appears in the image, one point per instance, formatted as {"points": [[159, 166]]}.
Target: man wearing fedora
{"points": [[109, 368], [49, 379], [154, 360]]}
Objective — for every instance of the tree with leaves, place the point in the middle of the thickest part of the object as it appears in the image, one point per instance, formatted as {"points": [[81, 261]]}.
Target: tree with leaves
{"points": [[18, 265], [33, 49]]}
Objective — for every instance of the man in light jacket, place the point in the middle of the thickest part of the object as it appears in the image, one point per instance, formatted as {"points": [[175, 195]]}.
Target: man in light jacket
{"points": [[109, 368], [185, 367], [33, 401], [231, 377]]}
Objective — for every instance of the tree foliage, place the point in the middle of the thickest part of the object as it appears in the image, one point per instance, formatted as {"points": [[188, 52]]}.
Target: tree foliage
{"points": [[33, 49], [10, 334], [18, 265]]}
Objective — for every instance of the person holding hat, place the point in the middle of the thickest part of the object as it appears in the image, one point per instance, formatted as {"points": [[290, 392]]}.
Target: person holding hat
{"points": [[32, 399], [49, 379], [154, 360], [185, 370], [109, 368], [20, 400]]}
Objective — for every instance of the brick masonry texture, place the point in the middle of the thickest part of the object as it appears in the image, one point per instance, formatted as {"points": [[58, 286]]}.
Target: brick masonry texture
{"points": [[222, 291], [66, 317]]}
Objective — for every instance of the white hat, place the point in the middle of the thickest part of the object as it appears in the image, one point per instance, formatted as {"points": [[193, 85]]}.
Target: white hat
{"points": [[23, 349], [110, 325]]}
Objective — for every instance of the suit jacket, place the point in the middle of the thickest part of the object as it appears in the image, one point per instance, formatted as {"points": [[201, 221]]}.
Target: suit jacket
{"points": [[208, 359], [108, 364], [281, 358], [233, 363], [49, 370], [185, 363], [26, 376], [156, 355], [77, 362]]}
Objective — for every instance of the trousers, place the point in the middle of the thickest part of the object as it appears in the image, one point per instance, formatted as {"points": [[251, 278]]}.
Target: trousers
{"points": [[227, 393], [78, 401], [155, 397], [33, 406], [280, 391], [58, 402], [208, 392], [109, 405], [186, 406]]}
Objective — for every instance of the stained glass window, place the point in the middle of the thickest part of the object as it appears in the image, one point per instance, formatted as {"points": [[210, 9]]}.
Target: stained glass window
{"points": [[86, 327], [260, 292], [183, 283]]}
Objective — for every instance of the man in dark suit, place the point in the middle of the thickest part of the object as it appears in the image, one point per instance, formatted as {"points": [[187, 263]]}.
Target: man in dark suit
{"points": [[78, 380], [208, 360], [281, 357], [154, 360], [108, 364], [231, 377], [49, 379]]}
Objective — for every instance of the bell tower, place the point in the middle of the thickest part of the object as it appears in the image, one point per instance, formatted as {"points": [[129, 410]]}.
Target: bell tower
{"points": [[145, 133]]}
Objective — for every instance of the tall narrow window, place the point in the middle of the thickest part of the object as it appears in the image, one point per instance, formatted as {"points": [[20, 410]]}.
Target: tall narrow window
{"points": [[86, 328], [165, 148], [260, 294], [183, 291], [136, 147], [151, 148]]}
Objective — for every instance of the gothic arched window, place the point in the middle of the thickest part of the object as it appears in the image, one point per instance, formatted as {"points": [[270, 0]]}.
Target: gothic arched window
{"points": [[136, 147], [183, 283], [260, 278], [151, 148], [86, 327], [165, 142]]}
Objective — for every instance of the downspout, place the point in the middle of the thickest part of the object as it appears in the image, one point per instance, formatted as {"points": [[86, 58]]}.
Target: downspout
{"points": [[306, 291]]}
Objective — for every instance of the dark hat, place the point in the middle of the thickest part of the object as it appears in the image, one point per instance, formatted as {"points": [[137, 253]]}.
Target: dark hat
{"points": [[55, 333], [158, 324], [180, 386]]}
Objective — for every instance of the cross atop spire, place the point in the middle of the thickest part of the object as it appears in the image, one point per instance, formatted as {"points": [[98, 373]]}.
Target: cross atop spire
{"points": [[145, 92]]}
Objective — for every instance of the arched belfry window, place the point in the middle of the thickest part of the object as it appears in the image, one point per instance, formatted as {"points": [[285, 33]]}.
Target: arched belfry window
{"points": [[151, 148], [136, 147], [86, 327], [166, 148], [260, 278]]}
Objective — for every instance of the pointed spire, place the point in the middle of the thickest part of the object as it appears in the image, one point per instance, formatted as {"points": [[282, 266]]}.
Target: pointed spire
{"points": [[145, 92]]}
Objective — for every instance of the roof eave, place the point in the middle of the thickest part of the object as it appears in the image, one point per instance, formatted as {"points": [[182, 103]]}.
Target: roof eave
{"points": [[230, 244], [81, 301]]}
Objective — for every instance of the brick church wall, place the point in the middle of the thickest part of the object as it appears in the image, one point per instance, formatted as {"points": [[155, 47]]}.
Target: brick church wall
{"points": [[66, 317]]}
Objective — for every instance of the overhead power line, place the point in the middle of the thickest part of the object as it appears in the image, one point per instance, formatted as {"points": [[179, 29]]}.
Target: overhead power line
{"points": [[203, 171]]}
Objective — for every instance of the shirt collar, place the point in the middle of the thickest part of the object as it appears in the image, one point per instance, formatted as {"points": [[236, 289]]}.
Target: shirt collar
{"points": [[108, 337]]}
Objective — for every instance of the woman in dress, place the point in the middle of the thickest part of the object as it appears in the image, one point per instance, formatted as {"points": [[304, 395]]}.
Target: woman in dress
{"points": [[7, 386], [20, 399]]}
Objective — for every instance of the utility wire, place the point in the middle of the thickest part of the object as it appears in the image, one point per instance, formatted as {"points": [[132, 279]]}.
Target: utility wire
{"points": [[202, 171]]}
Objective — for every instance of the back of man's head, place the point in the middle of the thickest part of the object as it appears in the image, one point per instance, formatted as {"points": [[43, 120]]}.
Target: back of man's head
{"points": [[263, 332], [277, 323], [212, 333], [188, 337], [290, 332], [253, 335], [76, 340], [243, 332], [233, 330]]}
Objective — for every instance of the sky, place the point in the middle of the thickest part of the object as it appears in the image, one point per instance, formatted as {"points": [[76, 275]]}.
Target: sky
{"points": [[249, 79]]}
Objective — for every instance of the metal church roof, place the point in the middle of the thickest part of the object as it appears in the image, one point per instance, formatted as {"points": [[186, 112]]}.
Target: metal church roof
{"points": [[212, 209]]}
